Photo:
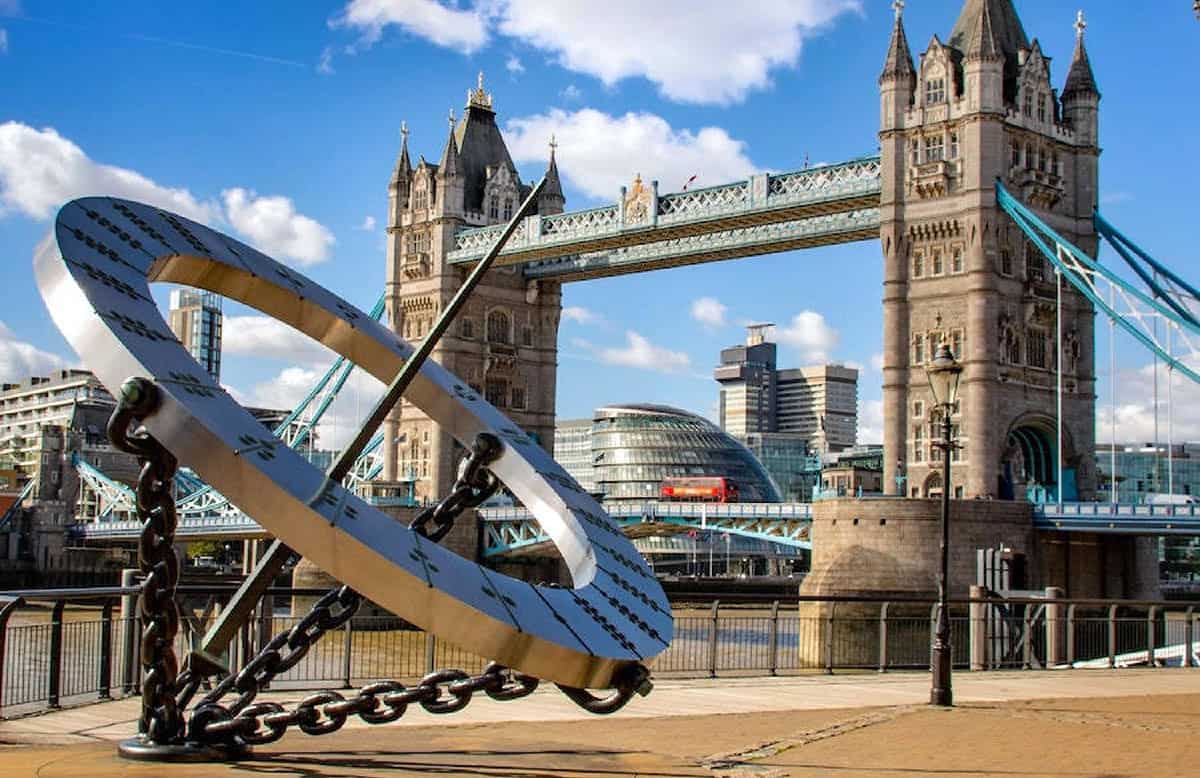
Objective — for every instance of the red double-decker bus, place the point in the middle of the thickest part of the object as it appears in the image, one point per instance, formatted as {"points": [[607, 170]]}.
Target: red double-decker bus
{"points": [[698, 489]]}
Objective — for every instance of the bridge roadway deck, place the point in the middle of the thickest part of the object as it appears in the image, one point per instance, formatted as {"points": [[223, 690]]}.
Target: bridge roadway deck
{"points": [[1076, 723]]}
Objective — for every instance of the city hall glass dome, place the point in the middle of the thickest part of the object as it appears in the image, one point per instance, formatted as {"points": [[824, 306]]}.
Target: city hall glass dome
{"points": [[634, 447]]}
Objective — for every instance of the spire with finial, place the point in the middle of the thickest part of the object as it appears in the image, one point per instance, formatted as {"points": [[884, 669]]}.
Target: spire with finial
{"points": [[898, 64], [477, 97], [551, 199], [403, 171], [1080, 79], [449, 164]]}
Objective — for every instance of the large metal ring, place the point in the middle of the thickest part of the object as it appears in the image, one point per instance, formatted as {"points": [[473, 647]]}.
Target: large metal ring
{"points": [[93, 271]]}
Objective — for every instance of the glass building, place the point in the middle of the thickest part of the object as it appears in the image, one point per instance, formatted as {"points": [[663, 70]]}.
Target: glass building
{"points": [[197, 321], [634, 447]]}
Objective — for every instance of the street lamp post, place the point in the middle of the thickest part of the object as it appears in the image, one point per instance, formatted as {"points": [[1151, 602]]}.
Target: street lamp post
{"points": [[943, 374]]}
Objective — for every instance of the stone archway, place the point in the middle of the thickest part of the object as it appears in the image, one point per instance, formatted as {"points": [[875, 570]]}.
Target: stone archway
{"points": [[1029, 464]]}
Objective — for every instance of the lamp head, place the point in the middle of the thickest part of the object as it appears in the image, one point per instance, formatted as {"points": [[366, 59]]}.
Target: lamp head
{"points": [[944, 372]]}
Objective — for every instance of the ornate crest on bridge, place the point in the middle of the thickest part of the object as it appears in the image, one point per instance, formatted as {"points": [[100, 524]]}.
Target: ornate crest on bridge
{"points": [[637, 202]]}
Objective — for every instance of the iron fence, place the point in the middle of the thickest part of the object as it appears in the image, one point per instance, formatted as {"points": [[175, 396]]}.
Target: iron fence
{"points": [[62, 647]]}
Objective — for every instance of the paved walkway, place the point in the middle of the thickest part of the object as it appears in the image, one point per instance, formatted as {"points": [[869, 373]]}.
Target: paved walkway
{"points": [[1077, 723]]}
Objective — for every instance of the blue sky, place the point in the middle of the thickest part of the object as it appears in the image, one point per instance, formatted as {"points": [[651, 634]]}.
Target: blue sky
{"points": [[280, 123]]}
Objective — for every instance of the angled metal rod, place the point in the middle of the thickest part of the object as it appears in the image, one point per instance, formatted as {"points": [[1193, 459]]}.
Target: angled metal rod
{"points": [[235, 613]]}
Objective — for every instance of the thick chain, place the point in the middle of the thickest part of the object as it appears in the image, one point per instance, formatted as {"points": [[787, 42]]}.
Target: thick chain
{"points": [[161, 721], [475, 484]]}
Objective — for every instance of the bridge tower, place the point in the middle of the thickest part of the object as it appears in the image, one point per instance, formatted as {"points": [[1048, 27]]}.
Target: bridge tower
{"points": [[504, 343], [978, 108]]}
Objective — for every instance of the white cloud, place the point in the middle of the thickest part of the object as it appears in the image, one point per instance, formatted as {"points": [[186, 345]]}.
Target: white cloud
{"points": [[19, 359], [368, 224], [877, 361], [325, 63], [263, 337], [695, 51], [514, 66], [709, 311], [1116, 197], [642, 354], [570, 93], [40, 170], [599, 153], [3, 41], [870, 422], [463, 30], [1135, 406], [344, 416], [272, 223], [811, 335], [854, 364], [581, 315]]}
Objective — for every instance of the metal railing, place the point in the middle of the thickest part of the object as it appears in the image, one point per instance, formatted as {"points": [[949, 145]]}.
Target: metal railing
{"points": [[70, 646]]}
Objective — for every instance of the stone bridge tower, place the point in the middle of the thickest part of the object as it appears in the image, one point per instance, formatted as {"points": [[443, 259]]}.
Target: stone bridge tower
{"points": [[505, 341], [978, 108]]}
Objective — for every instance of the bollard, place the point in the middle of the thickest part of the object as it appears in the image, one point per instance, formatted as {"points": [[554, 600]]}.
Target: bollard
{"points": [[978, 640], [1071, 635], [1055, 650], [883, 637], [712, 640], [1151, 616], [54, 678], [773, 637], [1112, 636], [430, 652], [1189, 653], [347, 650], [829, 622], [129, 654]]}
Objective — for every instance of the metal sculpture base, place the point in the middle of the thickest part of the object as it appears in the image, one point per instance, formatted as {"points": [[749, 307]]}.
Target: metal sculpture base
{"points": [[145, 751]]}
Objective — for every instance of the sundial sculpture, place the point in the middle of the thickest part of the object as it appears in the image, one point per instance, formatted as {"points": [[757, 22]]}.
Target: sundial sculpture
{"points": [[94, 271]]}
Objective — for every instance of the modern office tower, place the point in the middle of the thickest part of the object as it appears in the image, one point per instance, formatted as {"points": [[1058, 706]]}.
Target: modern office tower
{"points": [[747, 378], [196, 321]]}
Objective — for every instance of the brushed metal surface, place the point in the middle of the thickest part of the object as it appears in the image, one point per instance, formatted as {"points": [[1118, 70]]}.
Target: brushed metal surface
{"points": [[94, 269]]}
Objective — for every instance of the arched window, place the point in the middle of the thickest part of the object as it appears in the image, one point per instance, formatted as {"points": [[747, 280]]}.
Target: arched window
{"points": [[494, 207], [508, 208], [497, 327]]}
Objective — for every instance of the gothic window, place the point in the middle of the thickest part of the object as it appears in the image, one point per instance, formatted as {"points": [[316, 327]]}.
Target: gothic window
{"points": [[420, 198], [1035, 264], [918, 265], [493, 207], [956, 259], [508, 208], [497, 328], [1028, 156], [956, 344], [1055, 164], [1012, 347], [1028, 104], [936, 260], [468, 329], [918, 409], [1041, 106], [1035, 349], [914, 151], [935, 90], [527, 336], [934, 148], [918, 443], [1041, 159], [918, 350], [1015, 155], [497, 392], [1005, 262], [953, 145], [518, 398]]}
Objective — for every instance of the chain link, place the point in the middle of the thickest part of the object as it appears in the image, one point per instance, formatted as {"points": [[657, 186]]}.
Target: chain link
{"points": [[161, 720], [475, 484]]}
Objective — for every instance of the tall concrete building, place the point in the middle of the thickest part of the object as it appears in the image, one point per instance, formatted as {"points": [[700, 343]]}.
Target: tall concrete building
{"points": [[977, 108], [196, 319], [817, 404], [505, 341]]}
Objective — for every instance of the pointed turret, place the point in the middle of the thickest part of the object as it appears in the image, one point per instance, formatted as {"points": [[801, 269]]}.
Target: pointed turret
{"points": [[402, 174], [1080, 79], [981, 41], [448, 167], [991, 29], [899, 63], [551, 199]]}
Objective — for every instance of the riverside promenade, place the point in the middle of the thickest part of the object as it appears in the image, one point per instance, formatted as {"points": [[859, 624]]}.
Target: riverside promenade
{"points": [[1062, 723]]}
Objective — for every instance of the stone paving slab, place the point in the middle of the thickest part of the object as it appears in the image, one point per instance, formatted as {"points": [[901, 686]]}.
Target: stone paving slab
{"points": [[850, 725]]}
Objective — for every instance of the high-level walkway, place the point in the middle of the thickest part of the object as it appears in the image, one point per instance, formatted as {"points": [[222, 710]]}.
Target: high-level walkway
{"points": [[1069, 723]]}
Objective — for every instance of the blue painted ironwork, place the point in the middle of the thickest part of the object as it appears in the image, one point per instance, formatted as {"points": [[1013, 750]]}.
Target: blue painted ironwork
{"points": [[718, 214], [1120, 519], [1172, 290], [17, 504], [1134, 310]]}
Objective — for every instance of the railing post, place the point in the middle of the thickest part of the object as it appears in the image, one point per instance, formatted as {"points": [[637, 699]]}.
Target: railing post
{"points": [[712, 640], [430, 652], [883, 636], [1189, 655], [1027, 647], [774, 636], [1112, 635], [347, 649], [978, 639], [6, 609], [1071, 635], [1151, 616], [933, 617], [106, 627], [54, 679], [1054, 612], [829, 625], [129, 656]]}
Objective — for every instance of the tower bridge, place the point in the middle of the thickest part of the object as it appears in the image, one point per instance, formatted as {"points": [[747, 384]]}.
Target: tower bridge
{"points": [[982, 197]]}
